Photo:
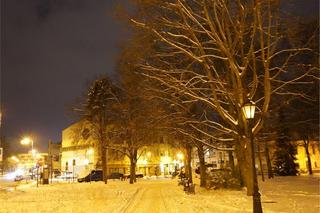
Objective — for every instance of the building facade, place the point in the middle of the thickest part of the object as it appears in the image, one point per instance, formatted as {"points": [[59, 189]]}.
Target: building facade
{"points": [[80, 154], [314, 152]]}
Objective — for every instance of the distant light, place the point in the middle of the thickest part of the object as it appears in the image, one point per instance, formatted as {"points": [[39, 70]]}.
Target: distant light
{"points": [[26, 141], [145, 162], [34, 152], [15, 159], [86, 162], [180, 156], [148, 154], [90, 151]]}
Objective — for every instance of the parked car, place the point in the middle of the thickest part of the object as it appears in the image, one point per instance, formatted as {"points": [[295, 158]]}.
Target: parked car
{"points": [[138, 175], [115, 175], [18, 178], [95, 175]]}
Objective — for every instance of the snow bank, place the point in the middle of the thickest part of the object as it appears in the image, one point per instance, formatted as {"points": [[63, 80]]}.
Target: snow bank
{"points": [[282, 194]]}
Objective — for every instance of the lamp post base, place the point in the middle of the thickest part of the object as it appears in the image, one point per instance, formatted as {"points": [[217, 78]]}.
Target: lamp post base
{"points": [[257, 208]]}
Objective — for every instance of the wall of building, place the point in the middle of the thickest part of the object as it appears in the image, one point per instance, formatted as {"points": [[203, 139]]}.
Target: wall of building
{"points": [[314, 151], [80, 148]]}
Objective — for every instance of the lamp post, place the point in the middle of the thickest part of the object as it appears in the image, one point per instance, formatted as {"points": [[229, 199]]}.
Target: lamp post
{"points": [[248, 111], [27, 141]]}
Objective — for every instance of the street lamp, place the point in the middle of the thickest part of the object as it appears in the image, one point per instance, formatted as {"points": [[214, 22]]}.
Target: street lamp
{"points": [[248, 111], [27, 141]]}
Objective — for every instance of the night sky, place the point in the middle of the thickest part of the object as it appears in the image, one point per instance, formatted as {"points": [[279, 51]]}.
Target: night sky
{"points": [[50, 50]]}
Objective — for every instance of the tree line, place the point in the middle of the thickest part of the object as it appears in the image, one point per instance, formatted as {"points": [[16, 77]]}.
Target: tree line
{"points": [[189, 68]]}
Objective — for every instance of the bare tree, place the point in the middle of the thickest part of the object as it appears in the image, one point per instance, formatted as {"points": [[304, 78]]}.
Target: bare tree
{"points": [[222, 54]]}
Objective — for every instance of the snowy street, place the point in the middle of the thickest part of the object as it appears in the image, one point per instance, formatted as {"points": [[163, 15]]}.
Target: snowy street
{"points": [[283, 194]]}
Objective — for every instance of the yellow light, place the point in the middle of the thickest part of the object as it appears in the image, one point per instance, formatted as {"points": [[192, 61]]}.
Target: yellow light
{"points": [[90, 151], [149, 154], [86, 162], [180, 156], [248, 110], [145, 162], [26, 141], [15, 159]]}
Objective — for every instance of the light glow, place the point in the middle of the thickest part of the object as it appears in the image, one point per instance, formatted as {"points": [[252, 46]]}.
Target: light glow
{"points": [[90, 151], [248, 110], [26, 141], [15, 159], [86, 162], [180, 156]]}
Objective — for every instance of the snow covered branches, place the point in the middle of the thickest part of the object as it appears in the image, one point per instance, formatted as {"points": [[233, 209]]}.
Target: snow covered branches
{"points": [[221, 54]]}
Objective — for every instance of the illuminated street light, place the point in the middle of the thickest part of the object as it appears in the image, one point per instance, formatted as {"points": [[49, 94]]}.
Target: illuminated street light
{"points": [[248, 111], [27, 141]]}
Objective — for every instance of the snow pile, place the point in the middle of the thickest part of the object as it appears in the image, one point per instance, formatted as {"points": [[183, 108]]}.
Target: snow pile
{"points": [[283, 194]]}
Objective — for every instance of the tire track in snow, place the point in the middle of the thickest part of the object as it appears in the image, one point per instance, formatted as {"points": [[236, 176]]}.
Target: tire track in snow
{"points": [[164, 202], [131, 202]]}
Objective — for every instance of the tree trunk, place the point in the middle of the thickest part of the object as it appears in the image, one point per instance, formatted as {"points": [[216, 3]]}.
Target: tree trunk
{"points": [[269, 166], [231, 162], [306, 147], [202, 166], [133, 163], [104, 164], [239, 165], [245, 164], [188, 166], [260, 161]]}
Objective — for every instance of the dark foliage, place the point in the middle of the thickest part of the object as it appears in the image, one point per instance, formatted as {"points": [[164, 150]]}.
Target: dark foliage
{"points": [[284, 156]]}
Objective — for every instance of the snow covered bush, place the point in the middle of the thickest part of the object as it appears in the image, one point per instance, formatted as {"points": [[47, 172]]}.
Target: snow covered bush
{"points": [[222, 179]]}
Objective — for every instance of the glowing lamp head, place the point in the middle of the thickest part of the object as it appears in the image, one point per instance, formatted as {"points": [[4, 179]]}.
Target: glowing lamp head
{"points": [[248, 110], [26, 141]]}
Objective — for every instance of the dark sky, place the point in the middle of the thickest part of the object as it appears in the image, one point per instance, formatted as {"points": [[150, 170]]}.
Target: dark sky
{"points": [[50, 49]]}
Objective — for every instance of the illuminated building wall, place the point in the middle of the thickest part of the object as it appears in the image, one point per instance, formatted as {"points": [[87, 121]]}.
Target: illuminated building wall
{"points": [[314, 151], [78, 147], [78, 150], [27, 161]]}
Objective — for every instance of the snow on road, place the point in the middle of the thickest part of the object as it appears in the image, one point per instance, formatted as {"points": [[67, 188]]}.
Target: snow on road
{"points": [[283, 194]]}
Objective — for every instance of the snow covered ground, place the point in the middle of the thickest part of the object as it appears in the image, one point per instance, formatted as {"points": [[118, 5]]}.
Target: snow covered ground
{"points": [[282, 194]]}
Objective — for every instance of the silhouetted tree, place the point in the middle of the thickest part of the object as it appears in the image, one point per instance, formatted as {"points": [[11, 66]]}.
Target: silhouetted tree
{"points": [[285, 151]]}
